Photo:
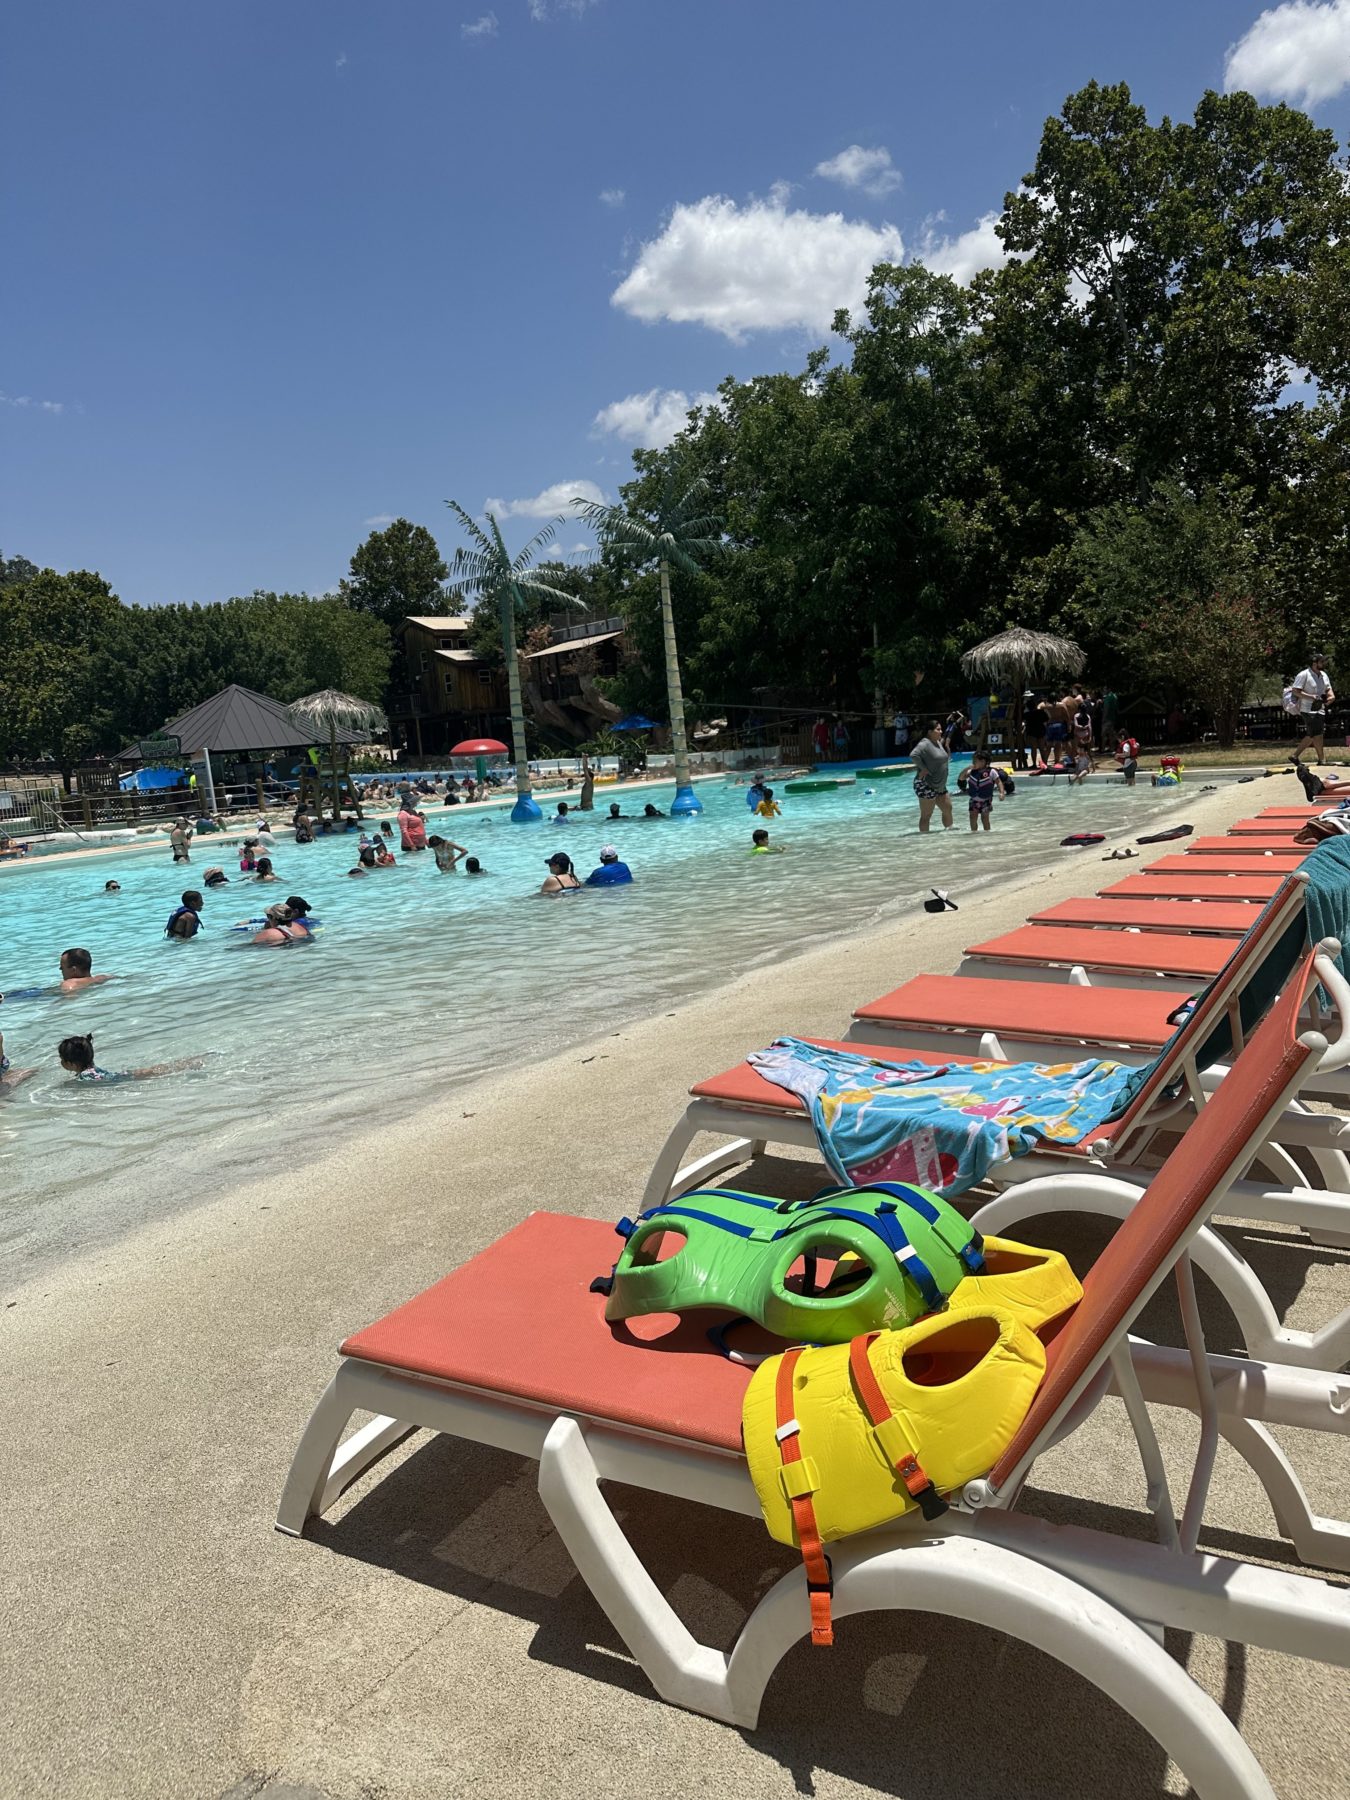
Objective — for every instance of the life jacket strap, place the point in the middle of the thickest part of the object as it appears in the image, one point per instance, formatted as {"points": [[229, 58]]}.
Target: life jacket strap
{"points": [[890, 1433], [800, 1479]]}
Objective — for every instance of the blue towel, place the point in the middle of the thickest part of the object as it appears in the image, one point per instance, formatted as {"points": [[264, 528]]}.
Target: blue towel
{"points": [[941, 1126]]}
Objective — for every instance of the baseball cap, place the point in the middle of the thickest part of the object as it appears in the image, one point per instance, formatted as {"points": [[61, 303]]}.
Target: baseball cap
{"points": [[608, 853]]}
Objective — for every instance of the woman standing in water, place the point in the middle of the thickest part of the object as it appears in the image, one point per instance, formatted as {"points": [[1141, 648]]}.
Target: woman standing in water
{"points": [[932, 766]]}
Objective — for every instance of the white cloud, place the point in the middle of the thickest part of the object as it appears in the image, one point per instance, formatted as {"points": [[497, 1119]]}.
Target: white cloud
{"points": [[962, 257], [341, 61], [652, 419], [553, 500], [380, 519], [27, 401], [1299, 51], [612, 197], [871, 170], [756, 267], [486, 27], [542, 10]]}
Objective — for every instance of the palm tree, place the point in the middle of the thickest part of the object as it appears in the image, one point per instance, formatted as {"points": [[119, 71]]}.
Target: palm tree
{"points": [[486, 571], [677, 531], [335, 711]]}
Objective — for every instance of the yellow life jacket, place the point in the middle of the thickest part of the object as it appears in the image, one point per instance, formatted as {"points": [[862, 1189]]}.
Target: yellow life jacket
{"points": [[843, 1438]]}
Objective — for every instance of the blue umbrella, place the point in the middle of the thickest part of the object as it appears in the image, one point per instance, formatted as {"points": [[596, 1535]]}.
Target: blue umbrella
{"points": [[635, 722]]}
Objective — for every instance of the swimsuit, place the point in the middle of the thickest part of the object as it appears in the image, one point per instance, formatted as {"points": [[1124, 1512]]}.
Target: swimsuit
{"points": [[97, 1074]]}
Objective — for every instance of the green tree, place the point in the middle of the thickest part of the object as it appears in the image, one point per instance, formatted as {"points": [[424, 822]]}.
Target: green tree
{"points": [[485, 571], [398, 572], [58, 666], [678, 531], [1178, 591]]}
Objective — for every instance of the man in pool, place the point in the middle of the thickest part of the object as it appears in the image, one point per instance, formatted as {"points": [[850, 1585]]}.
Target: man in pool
{"points": [[76, 967], [185, 919], [612, 872], [614, 811], [755, 793], [760, 845], [472, 866]]}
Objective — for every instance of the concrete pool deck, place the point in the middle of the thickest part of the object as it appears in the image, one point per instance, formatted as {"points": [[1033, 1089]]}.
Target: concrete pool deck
{"points": [[430, 1638]]}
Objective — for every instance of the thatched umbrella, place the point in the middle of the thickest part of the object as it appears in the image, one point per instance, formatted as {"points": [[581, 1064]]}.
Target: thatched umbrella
{"points": [[333, 711], [1018, 656]]}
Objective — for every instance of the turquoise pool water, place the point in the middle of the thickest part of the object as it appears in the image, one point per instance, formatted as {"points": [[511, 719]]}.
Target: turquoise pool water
{"points": [[422, 981]]}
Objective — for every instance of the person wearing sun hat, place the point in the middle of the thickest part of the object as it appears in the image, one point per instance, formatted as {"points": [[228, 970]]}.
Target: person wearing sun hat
{"points": [[612, 872]]}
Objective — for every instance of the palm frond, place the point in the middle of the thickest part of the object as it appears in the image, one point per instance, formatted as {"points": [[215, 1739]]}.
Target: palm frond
{"points": [[470, 526], [541, 538], [545, 591]]}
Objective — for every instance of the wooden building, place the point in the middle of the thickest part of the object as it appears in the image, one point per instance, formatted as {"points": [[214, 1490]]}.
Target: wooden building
{"points": [[451, 692]]}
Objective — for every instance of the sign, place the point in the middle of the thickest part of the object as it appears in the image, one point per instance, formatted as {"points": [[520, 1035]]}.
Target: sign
{"points": [[162, 748]]}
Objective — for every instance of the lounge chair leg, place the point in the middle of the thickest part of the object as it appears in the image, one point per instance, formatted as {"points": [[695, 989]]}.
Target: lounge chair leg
{"points": [[319, 1470], [669, 1178], [989, 1585], [1263, 1336], [1317, 1540], [681, 1669]]}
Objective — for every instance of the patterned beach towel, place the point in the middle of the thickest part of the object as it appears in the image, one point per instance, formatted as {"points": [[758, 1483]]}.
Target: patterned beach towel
{"points": [[941, 1126]]}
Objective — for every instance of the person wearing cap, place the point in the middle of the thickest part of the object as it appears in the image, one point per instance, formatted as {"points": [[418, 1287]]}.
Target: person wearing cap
{"points": [[561, 877], [612, 872], [1314, 693], [279, 928]]}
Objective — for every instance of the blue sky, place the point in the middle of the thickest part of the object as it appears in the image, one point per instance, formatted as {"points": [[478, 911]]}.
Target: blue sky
{"points": [[276, 272]]}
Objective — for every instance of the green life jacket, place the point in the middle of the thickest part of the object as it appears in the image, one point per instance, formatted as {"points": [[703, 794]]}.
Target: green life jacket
{"points": [[896, 1252]]}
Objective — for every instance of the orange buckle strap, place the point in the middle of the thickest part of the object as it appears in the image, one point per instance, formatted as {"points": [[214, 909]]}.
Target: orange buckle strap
{"points": [[889, 1433], [800, 1480]]}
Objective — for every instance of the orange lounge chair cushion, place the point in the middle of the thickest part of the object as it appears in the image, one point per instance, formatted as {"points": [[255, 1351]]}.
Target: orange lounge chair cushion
{"points": [[1151, 915], [1232, 845], [1135, 1018], [1141, 953], [519, 1320], [1276, 861], [1251, 889]]}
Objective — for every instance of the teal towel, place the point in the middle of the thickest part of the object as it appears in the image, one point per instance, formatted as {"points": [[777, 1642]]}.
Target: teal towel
{"points": [[1328, 872]]}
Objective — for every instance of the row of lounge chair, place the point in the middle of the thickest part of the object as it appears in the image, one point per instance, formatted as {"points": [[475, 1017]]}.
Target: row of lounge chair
{"points": [[511, 1349]]}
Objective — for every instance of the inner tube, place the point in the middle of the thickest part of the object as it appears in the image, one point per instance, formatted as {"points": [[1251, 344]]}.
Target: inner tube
{"points": [[889, 770], [1078, 840], [1164, 837], [821, 785]]}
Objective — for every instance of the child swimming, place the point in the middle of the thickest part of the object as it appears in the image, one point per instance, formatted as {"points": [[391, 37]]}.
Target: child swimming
{"points": [[768, 807], [76, 1055], [760, 845]]}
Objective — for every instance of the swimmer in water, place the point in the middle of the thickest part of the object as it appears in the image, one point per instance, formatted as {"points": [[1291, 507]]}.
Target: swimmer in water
{"points": [[472, 866], [365, 861], [615, 812], [280, 928], [981, 781], [76, 1055], [447, 853], [384, 856], [561, 877], [760, 845], [10, 1077], [185, 919], [768, 807], [215, 878], [112, 887], [263, 872], [75, 971], [301, 923], [652, 812]]}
